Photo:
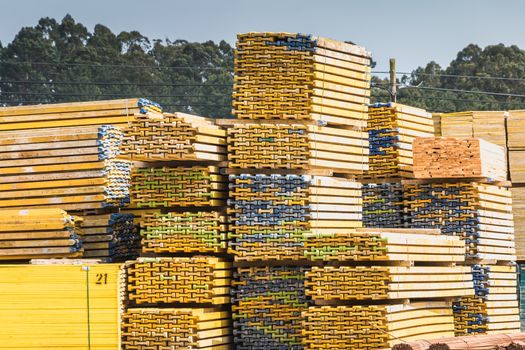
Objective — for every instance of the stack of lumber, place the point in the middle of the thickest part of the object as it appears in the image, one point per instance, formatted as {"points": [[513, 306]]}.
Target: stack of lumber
{"points": [[392, 128], [61, 306], [173, 137], [55, 167], [297, 146], [479, 213], [177, 187], [197, 279], [394, 245], [521, 292], [75, 114], [436, 118], [181, 328], [270, 214], [516, 145], [111, 236], [371, 327], [451, 157], [353, 283], [494, 309], [480, 342], [487, 125], [383, 205], [39, 233], [186, 232], [267, 303], [300, 77]]}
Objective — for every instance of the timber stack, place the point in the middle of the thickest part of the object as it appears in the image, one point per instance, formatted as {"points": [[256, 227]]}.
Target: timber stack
{"points": [[392, 129], [178, 195], [478, 210], [301, 108]]}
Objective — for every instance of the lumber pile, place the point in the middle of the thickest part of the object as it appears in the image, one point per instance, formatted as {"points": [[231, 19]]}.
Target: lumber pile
{"points": [[383, 205], [39, 233], [479, 213], [480, 342], [267, 303], [180, 328], [486, 125], [173, 137], [75, 114], [270, 214], [451, 157], [355, 283], [112, 236], [300, 77], [394, 245], [521, 293], [63, 306], [186, 232], [197, 279], [297, 146], [370, 327], [53, 167], [177, 187], [392, 128]]}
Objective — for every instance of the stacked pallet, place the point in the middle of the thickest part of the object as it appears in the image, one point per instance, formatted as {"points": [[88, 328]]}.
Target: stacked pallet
{"points": [[383, 205], [450, 157], [494, 308], [54, 167], [487, 125], [173, 137], [479, 213], [380, 305], [300, 77], [371, 327], [267, 303], [112, 236], [177, 187], [74, 114], [39, 233], [198, 279], [186, 232], [297, 146], [392, 128], [270, 214], [61, 306], [181, 328]]}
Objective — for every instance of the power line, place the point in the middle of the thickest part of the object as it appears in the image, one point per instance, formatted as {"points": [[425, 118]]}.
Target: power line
{"points": [[458, 76], [5, 93], [103, 83], [105, 65], [162, 104]]}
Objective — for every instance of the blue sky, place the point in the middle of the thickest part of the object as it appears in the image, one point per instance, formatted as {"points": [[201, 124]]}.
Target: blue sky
{"points": [[412, 31]]}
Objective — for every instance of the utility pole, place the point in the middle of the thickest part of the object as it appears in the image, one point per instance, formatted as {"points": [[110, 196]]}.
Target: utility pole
{"points": [[393, 85]]}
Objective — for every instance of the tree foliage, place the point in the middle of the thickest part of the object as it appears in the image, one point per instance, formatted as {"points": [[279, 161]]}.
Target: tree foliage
{"points": [[63, 61]]}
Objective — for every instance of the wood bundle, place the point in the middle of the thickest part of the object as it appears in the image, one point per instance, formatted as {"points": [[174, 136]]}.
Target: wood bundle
{"points": [[383, 205], [481, 214], [181, 328], [385, 245], [39, 233], [60, 306], [486, 125], [177, 187], [516, 129], [480, 342], [111, 236], [436, 118], [74, 114], [198, 279], [173, 137], [55, 167], [450, 157], [521, 293], [186, 232], [270, 214], [297, 146], [375, 326], [353, 283], [300, 77], [392, 128], [267, 303], [517, 165]]}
